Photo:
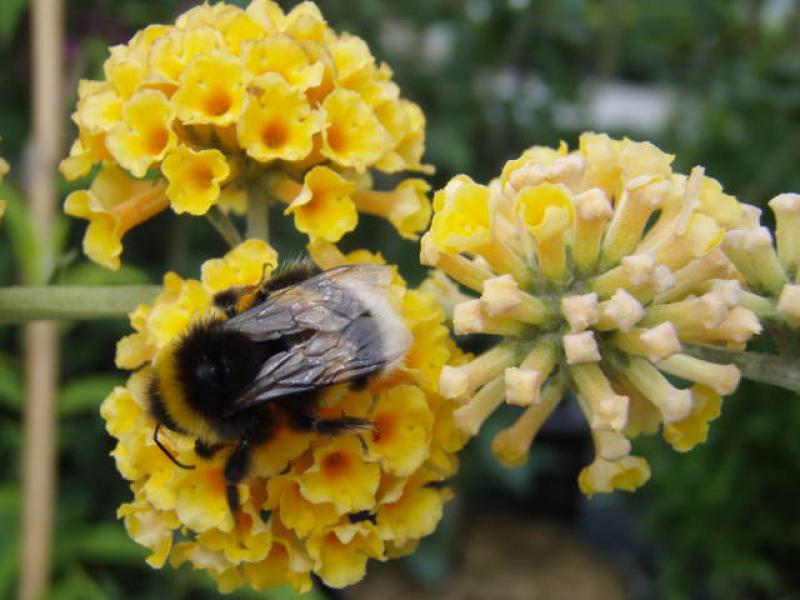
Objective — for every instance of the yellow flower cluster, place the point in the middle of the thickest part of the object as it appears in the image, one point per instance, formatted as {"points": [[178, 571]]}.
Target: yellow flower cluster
{"points": [[256, 104], [311, 504], [771, 270], [601, 268]]}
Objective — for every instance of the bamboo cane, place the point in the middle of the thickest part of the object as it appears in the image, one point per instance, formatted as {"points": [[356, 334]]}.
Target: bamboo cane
{"points": [[41, 341]]}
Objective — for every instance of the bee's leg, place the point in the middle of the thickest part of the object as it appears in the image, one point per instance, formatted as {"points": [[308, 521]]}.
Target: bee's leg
{"points": [[302, 417], [363, 515], [360, 383], [204, 450], [235, 470], [238, 462], [289, 274], [341, 425], [332, 426]]}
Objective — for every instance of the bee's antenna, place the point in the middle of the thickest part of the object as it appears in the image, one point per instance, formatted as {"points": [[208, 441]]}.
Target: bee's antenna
{"points": [[166, 452]]}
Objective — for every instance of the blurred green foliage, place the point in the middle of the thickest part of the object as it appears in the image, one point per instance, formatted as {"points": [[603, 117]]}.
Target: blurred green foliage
{"points": [[718, 84], [732, 504]]}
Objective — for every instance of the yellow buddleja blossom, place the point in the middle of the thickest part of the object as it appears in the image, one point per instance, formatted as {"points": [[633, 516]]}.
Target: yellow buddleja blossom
{"points": [[114, 204], [194, 178], [603, 271], [238, 106], [311, 504], [323, 208]]}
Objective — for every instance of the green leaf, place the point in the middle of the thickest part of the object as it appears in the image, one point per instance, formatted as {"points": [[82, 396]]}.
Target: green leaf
{"points": [[10, 13], [433, 560], [105, 543], [9, 547], [61, 228], [76, 584], [11, 386], [85, 394], [20, 231], [89, 273]]}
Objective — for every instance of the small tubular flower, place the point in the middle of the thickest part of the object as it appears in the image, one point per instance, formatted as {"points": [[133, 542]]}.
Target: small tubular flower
{"points": [[310, 504], [194, 178], [211, 90], [407, 207], [601, 268], [353, 136], [279, 124], [770, 267], [323, 208], [145, 135], [265, 92], [114, 204]]}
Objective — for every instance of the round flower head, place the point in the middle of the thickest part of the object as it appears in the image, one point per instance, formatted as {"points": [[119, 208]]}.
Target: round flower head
{"points": [[601, 269], [310, 504], [229, 101]]}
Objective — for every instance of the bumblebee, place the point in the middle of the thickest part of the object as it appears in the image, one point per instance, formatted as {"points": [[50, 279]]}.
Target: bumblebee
{"points": [[265, 353]]}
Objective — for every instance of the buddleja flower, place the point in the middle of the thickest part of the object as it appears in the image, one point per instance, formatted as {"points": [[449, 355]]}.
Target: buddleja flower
{"points": [[600, 269], [302, 489], [257, 105], [770, 270]]}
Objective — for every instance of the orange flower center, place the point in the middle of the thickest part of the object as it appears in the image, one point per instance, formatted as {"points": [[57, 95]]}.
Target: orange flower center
{"points": [[215, 480], [244, 523], [140, 208], [336, 465], [218, 102], [200, 176], [337, 138], [314, 208], [385, 427], [156, 139], [274, 134]]}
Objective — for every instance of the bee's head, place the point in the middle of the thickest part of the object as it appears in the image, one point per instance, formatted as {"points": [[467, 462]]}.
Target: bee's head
{"points": [[199, 375]]}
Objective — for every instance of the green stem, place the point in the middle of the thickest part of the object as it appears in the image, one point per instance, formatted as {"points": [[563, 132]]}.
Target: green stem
{"points": [[758, 366], [224, 226], [21, 304], [257, 216]]}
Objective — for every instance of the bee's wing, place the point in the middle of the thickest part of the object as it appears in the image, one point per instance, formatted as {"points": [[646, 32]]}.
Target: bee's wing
{"points": [[321, 303], [344, 339], [326, 358]]}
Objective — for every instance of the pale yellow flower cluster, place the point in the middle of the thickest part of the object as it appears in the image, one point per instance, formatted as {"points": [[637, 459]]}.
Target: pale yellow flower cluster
{"points": [[771, 269], [601, 268], [310, 503], [230, 106]]}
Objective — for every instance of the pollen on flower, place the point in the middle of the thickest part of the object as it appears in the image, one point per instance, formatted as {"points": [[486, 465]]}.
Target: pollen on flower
{"points": [[522, 386], [301, 487], [622, 311], [258, 86], [580, 311], [602, 269], [656, 343], [580, 348]]}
